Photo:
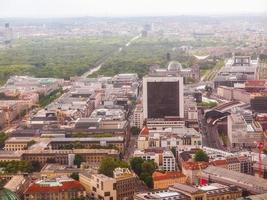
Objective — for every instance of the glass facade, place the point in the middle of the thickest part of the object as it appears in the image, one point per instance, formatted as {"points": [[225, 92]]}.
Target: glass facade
{"points": [[162, 99]]}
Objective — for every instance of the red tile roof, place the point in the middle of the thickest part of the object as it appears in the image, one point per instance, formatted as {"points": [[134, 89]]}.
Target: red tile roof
{"points": [[157, 176], [218, 162], [154, 150], [250, 83], [195, 165], [66, 185], [144, 131]]}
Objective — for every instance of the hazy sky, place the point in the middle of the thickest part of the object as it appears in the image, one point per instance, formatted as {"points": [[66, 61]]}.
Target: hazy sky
{"points": [[62, 8]]}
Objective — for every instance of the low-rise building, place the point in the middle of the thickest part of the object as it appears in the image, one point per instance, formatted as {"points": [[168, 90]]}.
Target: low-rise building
{"points": [[208, 192], [164, 180], [179, 138], [17, 143], [18, 184], [242, 130], [89, 142], [161, 195], [193, 170], [60, 188], [103, 187], [90, 156], [163, 158], [178, 191]]}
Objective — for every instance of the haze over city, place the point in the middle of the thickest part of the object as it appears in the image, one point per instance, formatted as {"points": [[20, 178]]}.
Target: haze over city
{"points": [[106, 8], [133, 100]]}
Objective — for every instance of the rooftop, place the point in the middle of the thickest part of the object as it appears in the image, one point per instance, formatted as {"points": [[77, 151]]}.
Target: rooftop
{"points": [[55, 185], [157, 176], [162, 194]]}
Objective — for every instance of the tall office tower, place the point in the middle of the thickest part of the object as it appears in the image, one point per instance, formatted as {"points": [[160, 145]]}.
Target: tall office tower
{"points": [[163, 97]]}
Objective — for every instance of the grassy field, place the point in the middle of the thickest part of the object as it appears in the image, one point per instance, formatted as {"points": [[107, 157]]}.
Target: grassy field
{"points": [[57, 57]]}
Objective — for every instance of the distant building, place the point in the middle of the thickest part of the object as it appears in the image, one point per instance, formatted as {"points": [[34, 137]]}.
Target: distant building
{"points": [[239, 69], [175, 68], [258, 104]]}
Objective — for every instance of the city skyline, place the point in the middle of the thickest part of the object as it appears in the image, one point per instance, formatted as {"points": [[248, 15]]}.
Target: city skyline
{"points": [[120, 8]]}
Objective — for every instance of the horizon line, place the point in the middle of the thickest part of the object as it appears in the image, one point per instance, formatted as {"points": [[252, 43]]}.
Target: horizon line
{"points": [[140, 16]]}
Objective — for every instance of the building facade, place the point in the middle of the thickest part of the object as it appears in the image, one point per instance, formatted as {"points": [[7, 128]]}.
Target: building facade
{"points": [[163, 96]]}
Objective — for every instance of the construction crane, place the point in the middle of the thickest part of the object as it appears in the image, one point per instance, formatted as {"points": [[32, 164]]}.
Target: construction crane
{"points": [[260, 147]]}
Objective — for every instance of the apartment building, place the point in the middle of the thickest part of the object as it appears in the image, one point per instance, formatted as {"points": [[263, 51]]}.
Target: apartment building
{"points": [[126, 182]]}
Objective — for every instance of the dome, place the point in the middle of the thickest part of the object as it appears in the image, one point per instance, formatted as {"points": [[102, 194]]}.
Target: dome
{"points": [[174, 66], [6, 194]]}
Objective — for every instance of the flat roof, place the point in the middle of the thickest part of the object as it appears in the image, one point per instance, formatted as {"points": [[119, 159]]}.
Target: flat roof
{"points": [[19, 139], [93, 139], [240, 178]]}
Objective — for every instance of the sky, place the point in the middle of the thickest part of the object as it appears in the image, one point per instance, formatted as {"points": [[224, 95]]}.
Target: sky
{"points": [[71, 8]]}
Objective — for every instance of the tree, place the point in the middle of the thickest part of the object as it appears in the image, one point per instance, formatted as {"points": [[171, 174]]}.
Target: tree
{"points": [[75, 176], [147, 178], [144, 169], [78, 160], [108, 165], [32, 142], [173, 150], [135, 130], [148, 167], [136, 165], [3, 138], [36, 166], [201, 155]]}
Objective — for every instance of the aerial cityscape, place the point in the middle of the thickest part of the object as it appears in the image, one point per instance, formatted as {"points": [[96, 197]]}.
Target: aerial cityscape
{"points": [[133, 100]]}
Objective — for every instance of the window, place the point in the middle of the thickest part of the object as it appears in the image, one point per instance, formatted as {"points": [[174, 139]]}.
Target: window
{"points": [[94, 189], [107, 194]]}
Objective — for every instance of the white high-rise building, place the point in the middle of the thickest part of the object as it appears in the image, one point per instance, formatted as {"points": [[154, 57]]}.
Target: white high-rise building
{"points": [[138, 117]]}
